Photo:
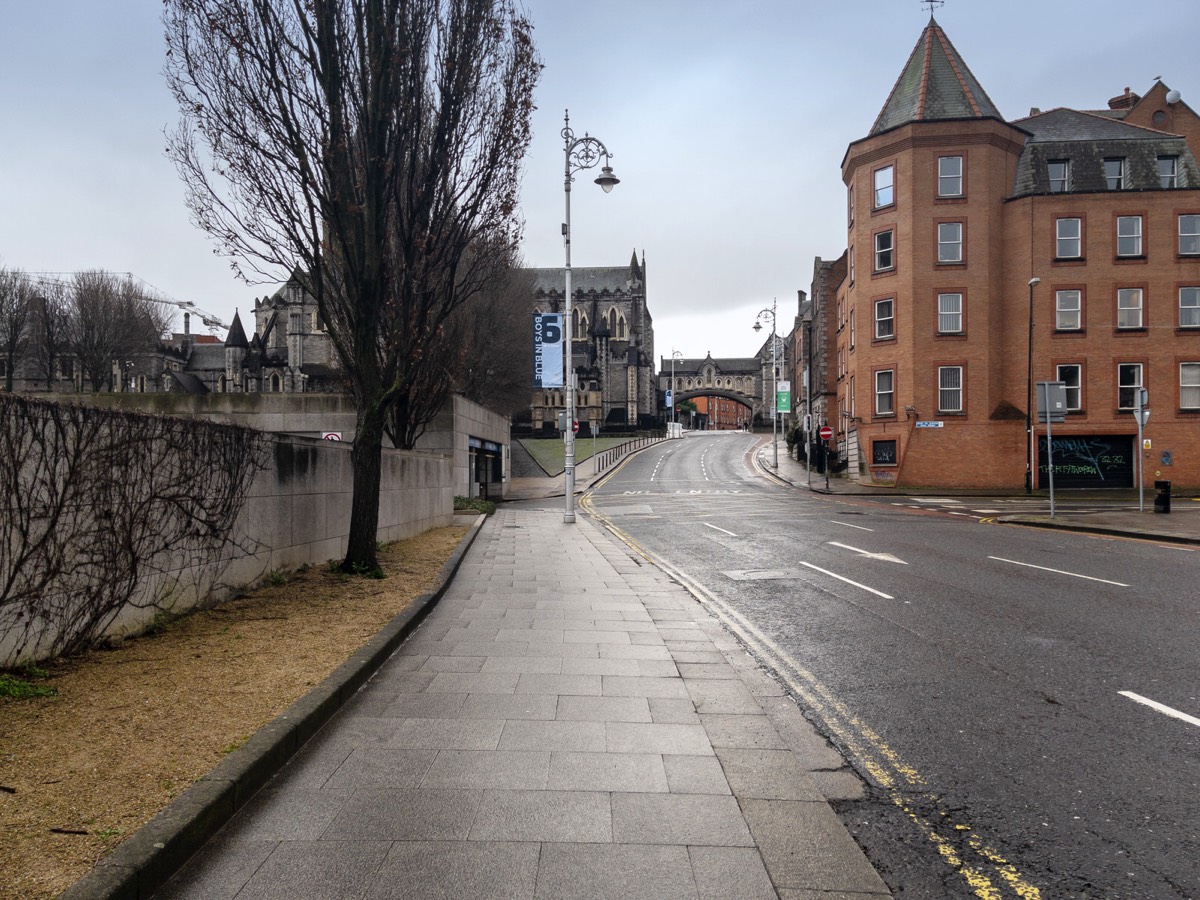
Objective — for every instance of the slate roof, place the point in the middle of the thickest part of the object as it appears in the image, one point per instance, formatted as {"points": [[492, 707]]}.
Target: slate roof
{"points": [[725, 365], [207, 357], [1086, 140], [613, 279], [934, 85], [237, 334]]}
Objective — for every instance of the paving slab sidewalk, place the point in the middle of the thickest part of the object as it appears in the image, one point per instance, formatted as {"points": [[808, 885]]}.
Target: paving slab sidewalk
{"points": [[566, 723]]}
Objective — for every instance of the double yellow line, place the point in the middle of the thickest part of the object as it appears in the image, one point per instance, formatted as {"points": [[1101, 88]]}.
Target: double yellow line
{"points": [[988, 874]]}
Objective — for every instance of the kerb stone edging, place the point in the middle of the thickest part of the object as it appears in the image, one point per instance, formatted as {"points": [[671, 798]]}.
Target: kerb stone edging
{"points": [[143, 863]]}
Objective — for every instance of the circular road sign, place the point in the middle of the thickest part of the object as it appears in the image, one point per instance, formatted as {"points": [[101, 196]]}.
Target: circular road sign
{"points": [[826, 432], [575, 426]]}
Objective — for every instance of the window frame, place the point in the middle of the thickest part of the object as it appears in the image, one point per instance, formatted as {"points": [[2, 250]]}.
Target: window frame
{"points": [[960, 389], [890, 319], [1192, 236], [1129, 293], [1077, 388], [1059, 309], [890, 186], [1193, 386], [889, 392], [959, 177], [1168, 180], [1140, 383], [1119, 178], [876, 268], [1137, 249], [851, 339], [1063, 180], [850, 205], [961, 313], [1059, 239], [960, 243], [1191, 306]]}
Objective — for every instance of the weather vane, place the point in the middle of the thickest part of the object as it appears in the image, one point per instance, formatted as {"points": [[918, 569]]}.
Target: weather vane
{"points": [[933, 4]]}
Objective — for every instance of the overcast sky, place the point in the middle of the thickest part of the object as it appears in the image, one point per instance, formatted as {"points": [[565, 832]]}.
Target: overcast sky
{"points": [[728, 123]]}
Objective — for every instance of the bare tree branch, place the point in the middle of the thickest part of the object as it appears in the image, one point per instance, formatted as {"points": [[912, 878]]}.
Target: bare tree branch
{"points": [[369, 145]]}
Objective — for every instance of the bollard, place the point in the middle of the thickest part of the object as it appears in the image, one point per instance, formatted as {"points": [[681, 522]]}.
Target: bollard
{"points": [[1162, 500]]}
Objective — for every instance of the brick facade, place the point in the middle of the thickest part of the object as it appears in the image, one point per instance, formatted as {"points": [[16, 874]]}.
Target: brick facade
{"points": [[951, 211]]}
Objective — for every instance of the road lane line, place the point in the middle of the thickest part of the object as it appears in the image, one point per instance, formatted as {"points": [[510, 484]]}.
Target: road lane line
{"points": [[847, 580], [848, 525], [1165, 710], [722, 530], [1057, 571]]}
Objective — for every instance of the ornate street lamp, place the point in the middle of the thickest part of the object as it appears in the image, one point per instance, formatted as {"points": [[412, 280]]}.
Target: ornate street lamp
{"points": [[578, 154], [774, 378]]}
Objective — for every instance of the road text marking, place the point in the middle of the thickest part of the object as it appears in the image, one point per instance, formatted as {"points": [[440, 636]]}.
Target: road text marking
{"points": [[1057, 571], [722, 530], [867, 553], [1165, 710]]}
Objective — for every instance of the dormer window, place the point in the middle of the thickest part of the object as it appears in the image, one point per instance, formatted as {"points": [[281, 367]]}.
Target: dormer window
{"points": [[1059, 173], [1168, 171], [1114, 174]]}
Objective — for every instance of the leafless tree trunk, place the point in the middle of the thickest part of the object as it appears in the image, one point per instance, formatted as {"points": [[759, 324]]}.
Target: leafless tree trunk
{"points": [[16, 320], [368, 143], [51, 336]]}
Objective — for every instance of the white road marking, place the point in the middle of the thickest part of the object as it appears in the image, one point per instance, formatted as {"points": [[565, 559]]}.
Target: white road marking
{"points": [[988, 512], [1176, 547], [1165, 710], [867, 553], [847, 580], [933, 500], [848, 525], [1057, 571], [968, 515], [722, 530]]}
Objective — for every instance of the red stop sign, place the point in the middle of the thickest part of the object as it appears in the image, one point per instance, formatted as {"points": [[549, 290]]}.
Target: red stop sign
{"points": [[826, 432]]}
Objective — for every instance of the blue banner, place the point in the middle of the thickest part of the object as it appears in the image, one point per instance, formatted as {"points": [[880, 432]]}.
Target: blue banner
{"points": [[548, 350]]}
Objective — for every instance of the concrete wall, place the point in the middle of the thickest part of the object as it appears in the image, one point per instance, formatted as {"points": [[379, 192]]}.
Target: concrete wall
{"points": [[451, 433], [297, 512]]}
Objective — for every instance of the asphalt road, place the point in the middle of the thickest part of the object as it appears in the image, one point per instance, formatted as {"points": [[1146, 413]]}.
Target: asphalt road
{"points": [[977, 676]]}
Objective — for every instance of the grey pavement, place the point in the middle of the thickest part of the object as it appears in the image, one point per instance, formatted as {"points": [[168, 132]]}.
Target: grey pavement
{"points": [[1099, 512], [567, 722]]}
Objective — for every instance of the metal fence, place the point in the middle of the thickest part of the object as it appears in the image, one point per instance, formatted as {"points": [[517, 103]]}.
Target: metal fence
{"points": [[608, 458]]}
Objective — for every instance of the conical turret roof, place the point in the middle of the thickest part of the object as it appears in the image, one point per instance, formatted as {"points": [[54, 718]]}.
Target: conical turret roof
{"points": [[237, 334], [935, 84]]}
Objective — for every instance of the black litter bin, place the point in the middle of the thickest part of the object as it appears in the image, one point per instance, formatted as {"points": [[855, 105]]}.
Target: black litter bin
{"points": [[1162, 500]]}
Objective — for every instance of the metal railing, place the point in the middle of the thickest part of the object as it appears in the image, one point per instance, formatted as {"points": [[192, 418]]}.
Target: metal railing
{"points": [[613, 455]]}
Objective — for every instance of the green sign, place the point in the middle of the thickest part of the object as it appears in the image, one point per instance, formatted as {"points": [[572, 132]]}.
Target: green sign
{"points": [[783, 397]]}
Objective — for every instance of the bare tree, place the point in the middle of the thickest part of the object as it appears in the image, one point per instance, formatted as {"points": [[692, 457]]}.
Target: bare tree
{"points": [[51, 329], [496, 330], [16, 320], [368, 143], [111, 318]]}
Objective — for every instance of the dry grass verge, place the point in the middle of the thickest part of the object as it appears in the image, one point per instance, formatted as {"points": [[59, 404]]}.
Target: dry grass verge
{"points": [[132, 727]]}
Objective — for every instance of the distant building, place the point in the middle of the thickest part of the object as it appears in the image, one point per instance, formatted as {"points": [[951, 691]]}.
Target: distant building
{"points": [[612, 347], [729, 392], [923, 352]]}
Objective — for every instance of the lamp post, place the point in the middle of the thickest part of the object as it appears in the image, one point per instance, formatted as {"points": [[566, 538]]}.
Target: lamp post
{"points": [[774, 377], [1029, 462], [675, 354], [578, 154]]}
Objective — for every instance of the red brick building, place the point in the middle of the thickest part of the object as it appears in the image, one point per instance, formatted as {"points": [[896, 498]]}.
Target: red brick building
{"points": [[962, 229]]}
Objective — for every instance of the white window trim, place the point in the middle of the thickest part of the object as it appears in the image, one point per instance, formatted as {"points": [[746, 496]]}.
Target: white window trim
{"points": [[1192, 388], [1059, 310], [1076, 238], [950, 391], [1136, 235], [955, 243], [1194, 306], [890, 250], [890, 393], [943, 315], [1076, 389], [1127, 294], [951, 177], [1194, 235], [1126, 387], [890, 319], [890, 187]]}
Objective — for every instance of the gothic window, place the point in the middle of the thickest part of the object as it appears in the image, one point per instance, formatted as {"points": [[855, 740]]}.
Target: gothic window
{"points": [[581, 325]]}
